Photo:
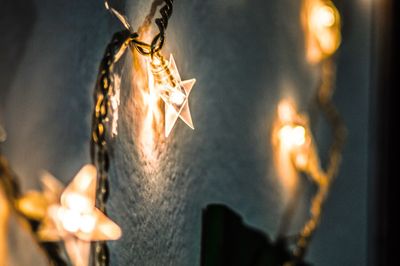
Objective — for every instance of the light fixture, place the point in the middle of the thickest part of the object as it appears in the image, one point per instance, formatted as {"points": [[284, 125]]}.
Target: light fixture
{"points": [[164, 78], [321, 23], [292, 137], [70, 214]]}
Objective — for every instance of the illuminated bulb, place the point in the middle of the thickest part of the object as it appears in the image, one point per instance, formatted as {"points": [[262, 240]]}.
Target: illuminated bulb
{"points": [[321, 22], [299, 135], [323, 16], [87, 223], [177, 98], [301, 161], [77, 202], [70, 219], [172, 90], [70, 215], [292, 136], [286, 111], [74, 214]]}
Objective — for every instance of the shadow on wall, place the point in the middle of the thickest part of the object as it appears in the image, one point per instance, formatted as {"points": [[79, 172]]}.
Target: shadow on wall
{"points": [[227, 241]]}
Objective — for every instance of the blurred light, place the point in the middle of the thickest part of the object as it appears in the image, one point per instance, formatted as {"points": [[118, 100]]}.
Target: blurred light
{"points": [[286, 111], [177, 98], [291, 136], [323, 16], [321, 23], [87, 223], [74, 218], [77, 202], [292, 144], [70, 219]]}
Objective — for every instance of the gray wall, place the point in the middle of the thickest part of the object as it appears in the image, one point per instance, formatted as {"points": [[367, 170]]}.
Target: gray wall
{"points": [[246, 55]]}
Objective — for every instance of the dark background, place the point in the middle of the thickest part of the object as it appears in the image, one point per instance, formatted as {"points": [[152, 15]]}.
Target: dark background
{"points": [[384, 229]]}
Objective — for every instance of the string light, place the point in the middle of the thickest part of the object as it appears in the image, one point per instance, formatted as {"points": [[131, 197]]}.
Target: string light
{"points": [[76, 214], [321, 24], [163, 74], [292, 138], [74, 217], [166, 81]]}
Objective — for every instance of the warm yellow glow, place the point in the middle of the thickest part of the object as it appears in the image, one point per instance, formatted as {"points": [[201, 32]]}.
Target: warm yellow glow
{"points": [[87, 223], [146, 107], [322, 16], [74, 221], [4, 216], [291, 132], [70, 219], [77, 213], [33, 205], [286, 111], [291, 142], [291, 136], [74, 217], [173, 91], [77, 202], [321, 23], [177, 98], [301, 161]]}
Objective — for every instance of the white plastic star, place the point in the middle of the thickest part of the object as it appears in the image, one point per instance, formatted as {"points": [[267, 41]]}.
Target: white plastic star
{"points": [[175, 95], [74, 218]]}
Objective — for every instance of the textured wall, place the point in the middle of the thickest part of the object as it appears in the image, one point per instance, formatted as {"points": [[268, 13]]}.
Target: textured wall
{"points": [[245, 55]]}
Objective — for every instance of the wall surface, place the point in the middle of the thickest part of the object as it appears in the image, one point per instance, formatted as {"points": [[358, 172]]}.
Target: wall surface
{"points": [[246, 55]]}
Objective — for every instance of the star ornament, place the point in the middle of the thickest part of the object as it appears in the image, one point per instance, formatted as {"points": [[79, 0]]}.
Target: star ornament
{"points": [[74, 217], [165, 79]]}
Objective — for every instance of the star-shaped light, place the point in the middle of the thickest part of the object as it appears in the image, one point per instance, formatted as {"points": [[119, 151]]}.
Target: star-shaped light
{"points": [[73, 217], [165, 79]]}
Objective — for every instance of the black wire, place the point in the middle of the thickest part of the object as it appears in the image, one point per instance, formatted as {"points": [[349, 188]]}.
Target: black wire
{"points": [[162, 23], [98, 146], [158, 41]]}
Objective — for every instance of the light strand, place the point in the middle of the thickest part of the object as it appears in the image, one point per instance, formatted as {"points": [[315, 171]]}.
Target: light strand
{"points": [[321, 22], [104, 93]]}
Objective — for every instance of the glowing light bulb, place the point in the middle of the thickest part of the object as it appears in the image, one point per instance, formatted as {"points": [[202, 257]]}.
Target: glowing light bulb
{"points": [[78, 203], [286, 111], [87, 223], [291, 136], [301, 161], [321, 23], [172, 90], [70, 219], [299, 135], [177, 98], [323, 16], [74, 218]]}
